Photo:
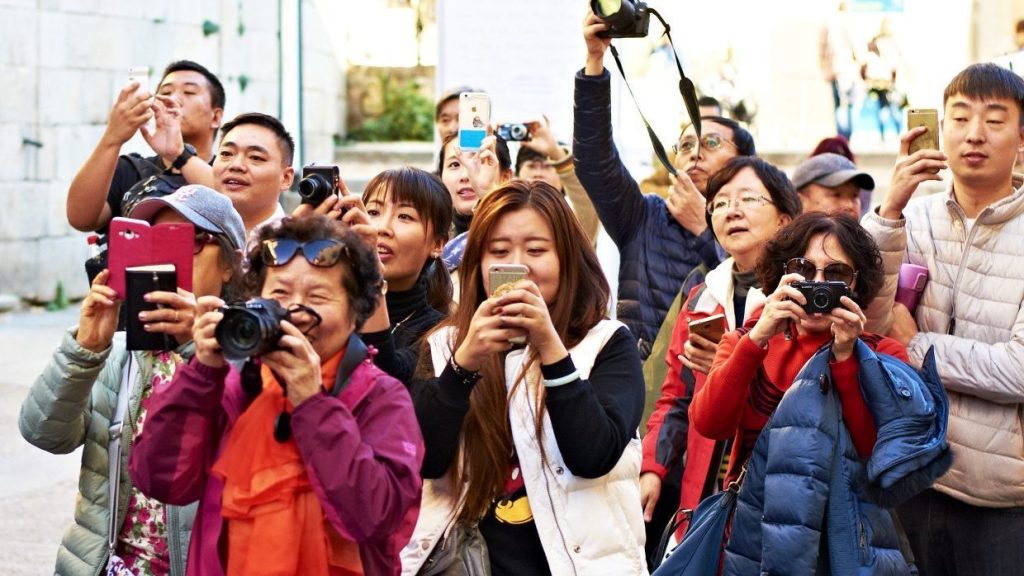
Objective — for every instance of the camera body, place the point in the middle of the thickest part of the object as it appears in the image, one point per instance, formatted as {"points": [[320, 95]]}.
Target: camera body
{"points": [[514, 132], [822, 296], [630, 19], [251, 328], [318, 182]]}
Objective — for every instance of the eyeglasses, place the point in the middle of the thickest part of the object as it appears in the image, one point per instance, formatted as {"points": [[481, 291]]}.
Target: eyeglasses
{"points": [[835, 272], [709, 142], [319, 253], [720, 205], [202, 239]]}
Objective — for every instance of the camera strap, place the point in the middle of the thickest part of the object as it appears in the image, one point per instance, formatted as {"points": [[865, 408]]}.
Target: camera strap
{"points": [[686, 90], [355, 353]]}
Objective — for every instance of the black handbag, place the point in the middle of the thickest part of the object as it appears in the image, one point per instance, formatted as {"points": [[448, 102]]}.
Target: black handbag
{"points": [[461, 552]]}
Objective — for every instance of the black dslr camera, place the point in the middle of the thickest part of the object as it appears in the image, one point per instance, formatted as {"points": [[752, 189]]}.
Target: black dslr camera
{"points": [[319, 182], [514, 132], [822, 296], [250, 329], [625, 18]]}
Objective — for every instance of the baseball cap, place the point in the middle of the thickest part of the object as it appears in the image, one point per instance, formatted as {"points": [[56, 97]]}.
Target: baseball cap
{"points": [[830, 170], [204, 207]]}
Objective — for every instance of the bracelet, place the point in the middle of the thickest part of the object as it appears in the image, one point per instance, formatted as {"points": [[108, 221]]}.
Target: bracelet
{"points": [[570, 377], [466, 376]]}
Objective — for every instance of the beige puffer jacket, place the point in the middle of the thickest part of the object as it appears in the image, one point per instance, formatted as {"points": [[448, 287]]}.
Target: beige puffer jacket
{"points": [[71, 404], [972, 312]]}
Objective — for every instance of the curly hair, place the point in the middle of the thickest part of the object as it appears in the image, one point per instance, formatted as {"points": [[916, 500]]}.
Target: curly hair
{"points": [[360, 275], [792, 242]]}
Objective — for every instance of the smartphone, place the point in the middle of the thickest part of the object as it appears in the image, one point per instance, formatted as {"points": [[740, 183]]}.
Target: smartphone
{"points": [[501, 278], [474, 117], [139, 281], [141, 75], [929, 118], [711, 328], [137, 243]]}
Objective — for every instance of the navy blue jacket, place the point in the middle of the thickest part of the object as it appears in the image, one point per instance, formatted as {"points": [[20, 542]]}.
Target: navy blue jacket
{"points": [[656, 253], [809, 505]]}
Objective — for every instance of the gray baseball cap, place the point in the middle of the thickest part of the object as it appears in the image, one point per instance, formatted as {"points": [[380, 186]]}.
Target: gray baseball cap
{"points": [[204, 207], [830, 170]]}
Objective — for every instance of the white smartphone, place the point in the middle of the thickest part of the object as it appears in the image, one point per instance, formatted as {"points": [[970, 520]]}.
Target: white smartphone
{"points": [[474, 116], [141, 75]]}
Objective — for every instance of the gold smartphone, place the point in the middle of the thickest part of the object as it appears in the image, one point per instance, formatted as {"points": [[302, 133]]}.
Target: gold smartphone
{"points": [[929, 118], [711, 328], [501, 278]]}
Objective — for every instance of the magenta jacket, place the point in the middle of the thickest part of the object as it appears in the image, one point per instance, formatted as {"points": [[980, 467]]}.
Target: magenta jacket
{"points": [[363, 451]]}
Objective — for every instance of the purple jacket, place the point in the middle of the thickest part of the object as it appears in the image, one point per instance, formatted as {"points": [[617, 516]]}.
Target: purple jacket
{"points": [[363, 451]]}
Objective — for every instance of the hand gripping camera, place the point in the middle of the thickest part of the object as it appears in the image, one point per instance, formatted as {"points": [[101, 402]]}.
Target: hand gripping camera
{"points": [[514, 132], [625, 18]]}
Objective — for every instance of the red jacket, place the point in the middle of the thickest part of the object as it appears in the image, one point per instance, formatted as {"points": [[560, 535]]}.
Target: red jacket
{"points": [[747, 382], [669, 435], [362, 449]]}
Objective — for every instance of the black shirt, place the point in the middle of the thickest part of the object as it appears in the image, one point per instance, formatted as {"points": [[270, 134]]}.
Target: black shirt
{"points": [[398, 348]]}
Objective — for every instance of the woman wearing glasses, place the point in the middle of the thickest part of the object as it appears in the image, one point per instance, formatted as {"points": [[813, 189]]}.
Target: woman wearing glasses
{"points": [[756, 364], [75, 399], [317, 471], [534, 446], [749, 201]]}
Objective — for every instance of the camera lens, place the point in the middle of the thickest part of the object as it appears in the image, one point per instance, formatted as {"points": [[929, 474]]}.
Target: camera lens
{"points": [[822, 299], [518, 132], [314, 189], [250, 329]]}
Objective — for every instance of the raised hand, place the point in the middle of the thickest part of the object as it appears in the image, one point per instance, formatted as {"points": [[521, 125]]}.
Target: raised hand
{"points": [[782, 306], [296, 363], [486, 336], [98, 319], [910, 171], [524, 308], [847, 325], [130, 111], [165, 139], [208, 352], [175, 316], [686, 204]]}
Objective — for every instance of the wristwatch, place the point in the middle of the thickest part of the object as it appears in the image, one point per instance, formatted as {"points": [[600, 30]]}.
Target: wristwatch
{"points": [[184, 157]]}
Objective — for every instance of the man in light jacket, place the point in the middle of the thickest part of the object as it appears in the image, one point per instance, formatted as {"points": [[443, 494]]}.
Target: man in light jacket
{"points": [[970, 239]]}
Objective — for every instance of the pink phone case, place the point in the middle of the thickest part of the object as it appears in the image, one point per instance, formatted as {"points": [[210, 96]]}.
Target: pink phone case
{"points": [[137, 243]]}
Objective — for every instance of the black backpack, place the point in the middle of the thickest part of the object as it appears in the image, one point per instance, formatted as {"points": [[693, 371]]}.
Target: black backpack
{"points": [[153, 182]]}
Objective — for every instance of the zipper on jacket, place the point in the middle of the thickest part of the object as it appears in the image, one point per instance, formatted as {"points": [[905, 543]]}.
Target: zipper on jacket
{"points": [[968, 238]]}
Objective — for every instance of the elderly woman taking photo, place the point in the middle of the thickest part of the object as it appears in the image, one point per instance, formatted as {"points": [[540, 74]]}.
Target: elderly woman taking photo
{"points": [[93, 380], [310, 463], [532, 401]]}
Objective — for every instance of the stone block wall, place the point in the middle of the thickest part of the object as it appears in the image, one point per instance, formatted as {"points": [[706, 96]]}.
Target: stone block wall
{"points": [[64, 61]]}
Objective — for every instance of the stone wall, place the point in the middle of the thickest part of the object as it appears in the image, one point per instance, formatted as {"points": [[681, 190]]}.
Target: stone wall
{"points": [[64, 62]]}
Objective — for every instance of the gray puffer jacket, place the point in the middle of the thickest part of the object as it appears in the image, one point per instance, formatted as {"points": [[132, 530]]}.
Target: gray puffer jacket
{"points": [[72, 403]]}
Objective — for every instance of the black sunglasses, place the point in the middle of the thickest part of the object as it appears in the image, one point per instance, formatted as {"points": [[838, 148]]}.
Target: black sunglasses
{"points": [[835, 272], [319, 253]]}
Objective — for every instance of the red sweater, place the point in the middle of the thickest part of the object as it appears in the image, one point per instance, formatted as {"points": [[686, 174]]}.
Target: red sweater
{"points": [[747, 382]]}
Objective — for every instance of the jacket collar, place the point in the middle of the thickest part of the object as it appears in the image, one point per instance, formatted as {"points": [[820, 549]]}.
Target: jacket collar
{"points": [[718, 293], [999, 211]]}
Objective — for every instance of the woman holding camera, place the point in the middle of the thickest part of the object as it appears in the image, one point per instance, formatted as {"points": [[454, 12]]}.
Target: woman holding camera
{"points": [[317, 470], [76, 398], [749, 201], [532, 448], [756, 364], [412, 212]]}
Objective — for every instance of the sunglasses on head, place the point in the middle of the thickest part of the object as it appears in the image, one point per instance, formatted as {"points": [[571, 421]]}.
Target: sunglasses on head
{"points": [[319, 253], [835, 272]]}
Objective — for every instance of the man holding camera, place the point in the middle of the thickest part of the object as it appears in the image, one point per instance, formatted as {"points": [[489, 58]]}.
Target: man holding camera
{"points": [[309, 464], [187, 109], [970, 314]]}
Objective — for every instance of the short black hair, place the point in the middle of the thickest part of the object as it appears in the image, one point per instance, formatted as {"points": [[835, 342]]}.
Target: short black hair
{"points": [[779, 186], [709, 101], [361, 276], [217, 97], [284, 139], [525, 155], [987, 81], [792, 241], [743, 139]]}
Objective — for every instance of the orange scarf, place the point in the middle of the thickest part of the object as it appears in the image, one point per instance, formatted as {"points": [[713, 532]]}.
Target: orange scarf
{"points": [[275, 524]]}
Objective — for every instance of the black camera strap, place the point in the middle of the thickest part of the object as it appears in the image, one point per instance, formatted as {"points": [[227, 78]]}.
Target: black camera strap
{"points": [[686, 90], [355, 353]]}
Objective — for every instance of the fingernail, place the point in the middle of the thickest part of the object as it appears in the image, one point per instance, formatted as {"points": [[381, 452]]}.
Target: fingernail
{"points": [[143, 316], [146, 297]]}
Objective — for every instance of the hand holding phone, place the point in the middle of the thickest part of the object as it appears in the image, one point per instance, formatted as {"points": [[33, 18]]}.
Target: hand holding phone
{"points": [[711, 328], [137, 243], [141, 75], [141, 280]]}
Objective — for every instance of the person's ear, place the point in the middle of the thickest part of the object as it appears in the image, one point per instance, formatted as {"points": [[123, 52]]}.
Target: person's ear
{"points": [[287, 177], [218, 115]]}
